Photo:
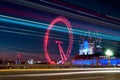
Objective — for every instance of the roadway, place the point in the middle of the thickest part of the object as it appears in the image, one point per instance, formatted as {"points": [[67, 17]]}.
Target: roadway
{"points": [[61, 74]]}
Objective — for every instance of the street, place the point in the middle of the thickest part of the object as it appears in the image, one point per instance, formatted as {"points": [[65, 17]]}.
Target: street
{"points": [[62, 74]]}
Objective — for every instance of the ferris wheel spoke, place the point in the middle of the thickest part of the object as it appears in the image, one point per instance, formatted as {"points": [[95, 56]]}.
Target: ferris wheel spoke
{"points": [[64, 56]]}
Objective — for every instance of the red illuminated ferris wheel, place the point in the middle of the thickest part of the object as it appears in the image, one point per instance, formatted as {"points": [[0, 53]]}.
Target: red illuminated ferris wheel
{"points": [[64, 56]]}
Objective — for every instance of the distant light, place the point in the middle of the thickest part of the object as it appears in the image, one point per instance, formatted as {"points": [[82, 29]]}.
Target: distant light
{"points": [[109, 52], [31, 61]]}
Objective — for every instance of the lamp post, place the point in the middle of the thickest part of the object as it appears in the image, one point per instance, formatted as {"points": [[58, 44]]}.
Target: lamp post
{"points": [[109, 53]]}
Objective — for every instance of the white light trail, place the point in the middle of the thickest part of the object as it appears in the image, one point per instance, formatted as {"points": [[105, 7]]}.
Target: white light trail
{"points": [[98, 71], [85, 78]]}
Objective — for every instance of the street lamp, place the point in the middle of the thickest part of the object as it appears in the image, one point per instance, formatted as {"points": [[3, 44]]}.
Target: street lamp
{"points": [[109, 53]]}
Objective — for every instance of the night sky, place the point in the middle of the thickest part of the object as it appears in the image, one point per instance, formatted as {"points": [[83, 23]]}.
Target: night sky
{"points": [[24, 38]]}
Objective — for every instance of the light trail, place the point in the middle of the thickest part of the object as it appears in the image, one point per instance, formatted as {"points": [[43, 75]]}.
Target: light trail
{"points": [[90, 15], [40, 34], [30, 32], [42, 7], [24, 33], [85, 78], [63, 73], [61, 69], [5, 27], [80, 25], [95, 71], [16, 48], [57, 28]]}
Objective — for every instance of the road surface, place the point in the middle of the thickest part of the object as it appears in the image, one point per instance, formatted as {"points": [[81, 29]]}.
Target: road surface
{"points": [[61, 74]]}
